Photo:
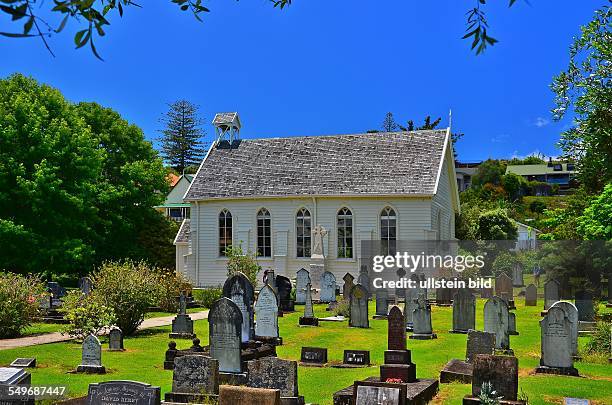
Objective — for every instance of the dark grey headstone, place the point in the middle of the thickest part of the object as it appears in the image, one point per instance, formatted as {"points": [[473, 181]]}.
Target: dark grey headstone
{"points": [[479, 342], [348, 285], [57, 290], [464, 311], [396, 330], [421, 318], [266, 311], [552, 290], [315, 355], [308, 308], [500, 371], [531, 295], [356, 357], [443, 295], [585, 306], [302, 278], [225, 326], [517, 275], [364, 280], [123, 392], [24, 362], [85, 285], [358, 307], [382, 299], [115, 339], [283, 284], [503, 287], [239, 289], [195, 374], [274, 373]]}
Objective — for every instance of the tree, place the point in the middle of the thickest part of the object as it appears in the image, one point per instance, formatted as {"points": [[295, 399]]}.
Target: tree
{"points": [[585, 88], [496, 225], [427, 124], [596, 222], [77, 182], [490, 171], [181, 141], [94, 15], [389, 124]]}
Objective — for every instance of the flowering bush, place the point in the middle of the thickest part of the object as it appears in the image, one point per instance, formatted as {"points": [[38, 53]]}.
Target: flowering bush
{"points": [[86, 316], [207, 296], [128, 289], [169, 286], [19, 302]]}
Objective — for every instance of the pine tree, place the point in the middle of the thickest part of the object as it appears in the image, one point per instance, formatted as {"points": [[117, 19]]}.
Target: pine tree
{"points": [[389, 124], [181, 142]]}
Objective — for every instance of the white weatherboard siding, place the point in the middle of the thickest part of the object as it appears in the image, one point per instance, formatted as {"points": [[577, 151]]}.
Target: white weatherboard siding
{"points": [[413, 216]]}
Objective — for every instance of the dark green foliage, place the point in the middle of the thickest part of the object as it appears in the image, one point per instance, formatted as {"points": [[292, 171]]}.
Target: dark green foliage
{"points": [[19, 302], [599, 341], [207, 296], [181, 141], [514, 185], [490, 171], [596, 222], [535, 159], [389, 124], [77, 182], [496, 225], [537, 206]]}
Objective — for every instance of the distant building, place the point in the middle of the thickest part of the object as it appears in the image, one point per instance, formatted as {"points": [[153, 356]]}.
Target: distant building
{"points": [[527, 236], [465, 172], [551, 173], [174, 207]]}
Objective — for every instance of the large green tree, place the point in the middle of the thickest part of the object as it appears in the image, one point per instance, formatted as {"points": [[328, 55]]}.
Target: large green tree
{"points": [[584, 92], [93, 17], [77, 182]]}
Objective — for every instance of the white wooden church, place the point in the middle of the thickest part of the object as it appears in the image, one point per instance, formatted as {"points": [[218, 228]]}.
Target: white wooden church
{"points": [[269, 194]]}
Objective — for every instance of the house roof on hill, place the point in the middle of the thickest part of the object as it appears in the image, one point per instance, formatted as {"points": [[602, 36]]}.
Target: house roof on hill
{"points": [[396, 163], [533, 170]]}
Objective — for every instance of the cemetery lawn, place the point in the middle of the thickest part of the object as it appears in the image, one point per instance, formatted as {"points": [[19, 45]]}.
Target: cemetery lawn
{"points": [[143, 360]]}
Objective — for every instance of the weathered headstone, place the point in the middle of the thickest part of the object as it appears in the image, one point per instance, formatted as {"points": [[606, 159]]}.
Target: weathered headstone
{"points": [[496, 320], [585, 306], [500, 371], [503, 288], [368, 393], [194, 375], [531, 295], [314, 355], [421, 317], [302, 278], [266, 312], [232, 395], [225, 326], [356, 358], [517, 275], [283, 284], [85, 285], [91, 357], [443, 295], [358, 307], [309, 318], [479, 343], [182, 324], [328, 287], [348, 285], [115, 339], [512, 323], [572, 314], [364, 280], [270, 279], [274, 373], [396, 332], [412, 295], [556, 343], [170, 355], [239, 289], [123, 392], [316, 272], [551, 293], [382, 303], [464, 311]]}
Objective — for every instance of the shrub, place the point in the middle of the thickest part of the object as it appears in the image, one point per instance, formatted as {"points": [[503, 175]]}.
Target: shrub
{"points": [[537, 206], [85, 314], [600, 339], [239, 261], [128, 288], [207, 296], [19, 301], [170, 284], [343, 308]]}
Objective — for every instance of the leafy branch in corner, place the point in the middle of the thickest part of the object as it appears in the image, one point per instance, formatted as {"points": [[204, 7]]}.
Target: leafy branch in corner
{"points": [[477, 27]]}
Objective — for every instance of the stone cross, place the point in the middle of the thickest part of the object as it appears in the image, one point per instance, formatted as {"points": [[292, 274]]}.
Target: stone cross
{"points": [[308, 310], [317, 241], [182, 304]]}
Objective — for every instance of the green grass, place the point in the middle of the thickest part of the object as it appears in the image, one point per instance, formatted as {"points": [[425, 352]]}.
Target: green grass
{"points": [[40, 328], [145, 352]]}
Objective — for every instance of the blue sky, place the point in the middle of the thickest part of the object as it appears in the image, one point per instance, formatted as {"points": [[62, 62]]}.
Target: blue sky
{"points": [[325, 67]]}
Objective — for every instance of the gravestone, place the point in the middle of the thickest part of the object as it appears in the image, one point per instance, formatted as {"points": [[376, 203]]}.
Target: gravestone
{"points": [[194, 376], [517, 275], [170, 355], [270, 279], [412, 295], [239, 289], [233, 395], [381, 393], [17, 378], [115, 340], [314, 355], [512, 323], [91, 357], [531, 295], [57, 290], [400, 292], [123, 392], [551, 293], [500, 371], [266, 312], [358, 307], [421, 318], [302, 278], [443, 295], [396, 334], [382, 299], [274, 373], [496, 321], [316, 272], [479, 343], [283, 284], [556, 343], [85, 285], [356, 358], [576, 401], [503, 288], [584, 304], [464, 311], [182, 324], [364, 280], [309, 318], [24, 362], [328, 287], [225, 326], [572, 314], [348, 285]]}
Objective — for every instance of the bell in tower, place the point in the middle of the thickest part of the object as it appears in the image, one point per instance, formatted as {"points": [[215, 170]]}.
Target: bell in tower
{"points": [[227, 126]]}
